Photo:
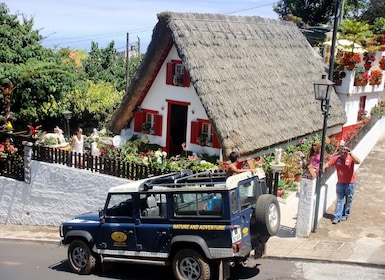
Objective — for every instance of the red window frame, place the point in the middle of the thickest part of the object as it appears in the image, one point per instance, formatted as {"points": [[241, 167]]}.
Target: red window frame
{"points": [[196, 130], [140, 118], [170, 72]]}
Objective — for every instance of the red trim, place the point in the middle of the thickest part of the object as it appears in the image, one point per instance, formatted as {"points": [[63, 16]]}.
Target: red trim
{"points": [[150, 111], [170, 69], [158, 125], [215, 141], [138, 120], [186, 78], [178, 102], [195, 129], [203, 121]]}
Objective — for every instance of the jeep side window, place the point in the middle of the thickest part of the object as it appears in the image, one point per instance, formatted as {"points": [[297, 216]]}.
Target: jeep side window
{"points": [[198, 204], [155, 206], [120, 205], [247, 194]]}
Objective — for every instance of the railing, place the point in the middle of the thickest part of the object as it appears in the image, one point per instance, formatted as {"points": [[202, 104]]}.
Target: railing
{"points": [[132, 171], [12, 167], [103, 165]]}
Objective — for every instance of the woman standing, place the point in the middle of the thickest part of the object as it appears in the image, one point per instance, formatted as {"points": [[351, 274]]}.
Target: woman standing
{"points": [[77, 142], [313, 158]]}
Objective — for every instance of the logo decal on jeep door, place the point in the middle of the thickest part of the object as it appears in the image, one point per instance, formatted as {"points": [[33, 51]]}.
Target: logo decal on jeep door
{"points": [[118, 236], [245, 231]]}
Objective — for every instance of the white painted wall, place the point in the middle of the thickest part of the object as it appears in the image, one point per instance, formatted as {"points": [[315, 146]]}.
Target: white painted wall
{"points": [[156, 100]]}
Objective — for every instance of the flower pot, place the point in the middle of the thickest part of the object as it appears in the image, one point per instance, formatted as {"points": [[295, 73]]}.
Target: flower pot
{"points": [[382, 66], [350, 66], [374, 82], [338, 82], [360, 83], [297, 177], [367, 65]]}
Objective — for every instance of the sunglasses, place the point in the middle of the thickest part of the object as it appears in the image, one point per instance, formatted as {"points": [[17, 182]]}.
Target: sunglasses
{"points": [[344, 149]]}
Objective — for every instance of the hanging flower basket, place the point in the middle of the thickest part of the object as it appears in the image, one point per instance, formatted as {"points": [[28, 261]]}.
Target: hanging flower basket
{"points": [[382, 63]]}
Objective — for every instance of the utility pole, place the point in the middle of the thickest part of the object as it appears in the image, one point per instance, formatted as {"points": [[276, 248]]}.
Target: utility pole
{"points": [[127, 60], [138, 46]]}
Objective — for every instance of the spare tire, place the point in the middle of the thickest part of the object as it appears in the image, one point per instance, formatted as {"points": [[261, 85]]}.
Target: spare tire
{"points": [[267, 215]]}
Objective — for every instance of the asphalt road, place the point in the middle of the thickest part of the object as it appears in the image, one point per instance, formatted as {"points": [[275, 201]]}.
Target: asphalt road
{"points": [[47, 261]]}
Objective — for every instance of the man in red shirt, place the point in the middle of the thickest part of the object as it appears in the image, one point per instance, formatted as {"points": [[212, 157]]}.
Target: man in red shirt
{"points": [[346, 182]]}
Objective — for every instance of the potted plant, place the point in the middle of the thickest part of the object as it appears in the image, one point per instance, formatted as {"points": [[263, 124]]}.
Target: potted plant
{"points": [[351, 59], [360, 79], [203, 139], [146, 127], [375, 77], [382, 62], [368, 58]]}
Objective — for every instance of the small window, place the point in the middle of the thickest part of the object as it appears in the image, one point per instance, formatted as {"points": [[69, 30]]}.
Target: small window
{"points": [[177, 74], [149, 124], [198, 204], [120, 205], [202, 133], [247, 194]]}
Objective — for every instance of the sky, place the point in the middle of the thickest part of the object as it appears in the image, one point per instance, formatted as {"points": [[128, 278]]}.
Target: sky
{"points": [[76, 23]]}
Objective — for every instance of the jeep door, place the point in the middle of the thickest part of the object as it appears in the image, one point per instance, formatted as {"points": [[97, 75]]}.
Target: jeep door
{"points": [[118, 228], [152, 229], [243, 201]]}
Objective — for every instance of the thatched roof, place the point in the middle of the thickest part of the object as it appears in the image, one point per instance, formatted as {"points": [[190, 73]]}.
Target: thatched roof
{"points": [[253, 75]]}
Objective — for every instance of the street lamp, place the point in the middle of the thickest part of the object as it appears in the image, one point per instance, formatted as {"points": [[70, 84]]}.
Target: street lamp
{"points": [[68, 115], [322, 89]]}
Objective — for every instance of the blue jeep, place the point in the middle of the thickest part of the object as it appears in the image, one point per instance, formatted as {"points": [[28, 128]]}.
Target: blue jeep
{"points": [[198, 223]]}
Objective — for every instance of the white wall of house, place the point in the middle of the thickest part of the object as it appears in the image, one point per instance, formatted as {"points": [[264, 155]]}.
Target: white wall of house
{"points": [[156, 100]]}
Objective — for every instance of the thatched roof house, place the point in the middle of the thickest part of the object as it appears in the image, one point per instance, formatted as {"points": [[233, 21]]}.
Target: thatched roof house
{"points": [[254, 77]]}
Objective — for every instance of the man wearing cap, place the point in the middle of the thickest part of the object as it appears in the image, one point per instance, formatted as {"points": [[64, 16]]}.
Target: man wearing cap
{"points": [[346, 182]]}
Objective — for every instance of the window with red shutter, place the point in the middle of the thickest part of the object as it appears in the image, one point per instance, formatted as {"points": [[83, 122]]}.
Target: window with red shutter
{"points": [[203, 134], [148, 122], [176, 74]]}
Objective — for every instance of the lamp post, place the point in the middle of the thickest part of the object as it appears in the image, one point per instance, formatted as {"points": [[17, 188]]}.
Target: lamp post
{"points": [[68, 115], [322, 90]]}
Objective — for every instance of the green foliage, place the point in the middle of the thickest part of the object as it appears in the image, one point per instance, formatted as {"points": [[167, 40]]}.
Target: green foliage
{"points": [[106, 65], [310, 12], [355, 31]]}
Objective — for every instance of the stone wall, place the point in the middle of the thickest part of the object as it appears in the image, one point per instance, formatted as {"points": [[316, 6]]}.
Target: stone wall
{"points": [[55, 193]]}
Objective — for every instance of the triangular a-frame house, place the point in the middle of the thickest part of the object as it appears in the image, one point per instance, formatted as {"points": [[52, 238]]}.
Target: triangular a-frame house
{"points": [[225, 83]]}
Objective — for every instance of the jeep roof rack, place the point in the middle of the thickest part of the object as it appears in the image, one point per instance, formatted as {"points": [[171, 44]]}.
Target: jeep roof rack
{"points": [[185, 178]]}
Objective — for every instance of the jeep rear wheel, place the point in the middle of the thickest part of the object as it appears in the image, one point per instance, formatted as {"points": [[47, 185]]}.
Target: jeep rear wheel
{"points": [[80, 257], [267, 214], [188, 264]]}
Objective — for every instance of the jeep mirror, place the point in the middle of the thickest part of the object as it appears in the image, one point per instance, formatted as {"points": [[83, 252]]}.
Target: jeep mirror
{"points": [[102, 216]]}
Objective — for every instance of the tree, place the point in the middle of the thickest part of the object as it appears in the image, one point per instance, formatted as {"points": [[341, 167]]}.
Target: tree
{"points": [[375, 9], [310, 12], [315, 13], [36, 73], [93, 105], [106, 65]]}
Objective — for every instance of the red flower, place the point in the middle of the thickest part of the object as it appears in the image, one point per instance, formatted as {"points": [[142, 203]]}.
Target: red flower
{"points": [[351, 58]]}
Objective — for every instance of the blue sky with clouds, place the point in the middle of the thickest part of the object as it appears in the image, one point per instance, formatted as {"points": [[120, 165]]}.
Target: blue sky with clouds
{"points": [[75, 23]]}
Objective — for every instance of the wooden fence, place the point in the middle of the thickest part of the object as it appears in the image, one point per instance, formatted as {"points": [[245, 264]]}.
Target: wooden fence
{"points": [[13, 167], [132, 171]]}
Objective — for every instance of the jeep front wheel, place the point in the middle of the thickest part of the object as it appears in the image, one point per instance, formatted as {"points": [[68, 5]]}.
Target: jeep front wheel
{"points": [[80, 257], [188, 264]]}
